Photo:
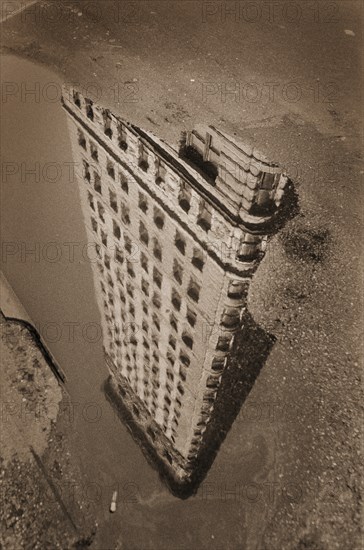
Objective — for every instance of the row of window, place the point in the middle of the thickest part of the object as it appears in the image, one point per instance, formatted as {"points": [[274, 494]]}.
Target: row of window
{"points": [[143, 159], [204, 216], [204, 221], [143, 162], [151, 385], [159, 219], [157, 277], [122, 136], [145, 287], [193, 289], [186, 338], [180, 242]]}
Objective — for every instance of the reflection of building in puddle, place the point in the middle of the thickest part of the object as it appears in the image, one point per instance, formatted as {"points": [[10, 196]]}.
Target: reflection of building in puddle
{"points": [[178, 236]]}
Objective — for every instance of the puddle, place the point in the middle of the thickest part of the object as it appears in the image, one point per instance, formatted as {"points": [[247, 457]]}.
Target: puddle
{"points": [[109, 227], [177, 235]]}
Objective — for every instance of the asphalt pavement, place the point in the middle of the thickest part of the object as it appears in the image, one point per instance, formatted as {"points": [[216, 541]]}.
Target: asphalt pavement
{"points": [[284, 77]]}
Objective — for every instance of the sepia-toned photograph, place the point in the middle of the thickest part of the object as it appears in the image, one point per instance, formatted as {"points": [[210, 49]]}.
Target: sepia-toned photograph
{"points": [[181, 305]]}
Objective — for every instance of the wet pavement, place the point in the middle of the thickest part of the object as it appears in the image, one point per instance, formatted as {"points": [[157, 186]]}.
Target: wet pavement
{"points": [[287, 474]]}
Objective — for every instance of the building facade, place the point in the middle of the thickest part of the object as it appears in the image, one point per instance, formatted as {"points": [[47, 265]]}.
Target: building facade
{"points": [[178, 237]]}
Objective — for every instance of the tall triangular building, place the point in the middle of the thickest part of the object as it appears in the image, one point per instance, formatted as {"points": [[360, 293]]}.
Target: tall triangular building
{"points": [[178, 236]]}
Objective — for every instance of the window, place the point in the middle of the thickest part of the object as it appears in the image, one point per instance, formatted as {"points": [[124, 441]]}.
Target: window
{"points": [[125, 214], [130, 269], [168, 456], [130, 289], [193, 290], [176, 299], [76, 99], [110, 281], [119, 255], [107, 261], [116, 230], [230, 318], [143, 158], [184, 198], [101, 211], [173, 322], [160, 172], [267, 181], [81, 139], [185, 360], [157, 277], [107, 123], [170, 358], [223, 343], [113, 202], [187, 339], [144, 261], [86, 171], [177, 271], [156, 343], [180, 242], [118, 276], [89, 109], [145, 308], [143, 203], [217, 364], [146, 344], [204, 216], [145, 287], [94, 225], [156, 322], [110, 169], [97, 182], [127, 244], [122, 137], [143, 233], [158, 218], [91, 201], [172, 342], [157, 250], [237, 290], [191, 317], [123, 183], [103, 238], [156, 300], [212, 382], [94, 152], [197, 259]]}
